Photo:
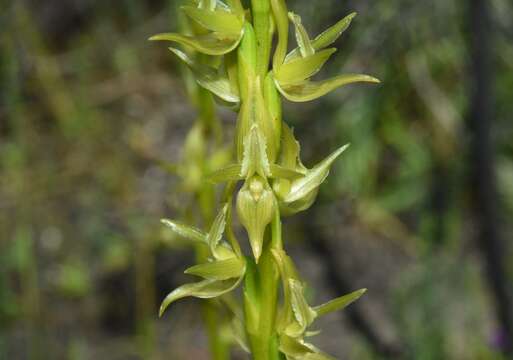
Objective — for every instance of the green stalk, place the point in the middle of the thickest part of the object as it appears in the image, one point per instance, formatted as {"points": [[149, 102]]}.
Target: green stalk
{"points": [[263, 32], [261, 299]]}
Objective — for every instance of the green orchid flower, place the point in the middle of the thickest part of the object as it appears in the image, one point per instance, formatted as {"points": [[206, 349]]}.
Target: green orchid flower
{"points": [[299, 193], [223, 26], [223, 272], [292, 75], [297, 316]]}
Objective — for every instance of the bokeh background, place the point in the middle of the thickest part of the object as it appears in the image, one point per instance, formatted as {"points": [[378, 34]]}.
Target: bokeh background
{"points": [[419, 210]]}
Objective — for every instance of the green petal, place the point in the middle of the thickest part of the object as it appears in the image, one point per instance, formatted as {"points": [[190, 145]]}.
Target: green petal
{"points": [[255, 155], [228, 173], [301, 68], [188, 232], [311, 90], [326, 38], [219, 270], [209, 78], [219, 21], [209, 44], [290, 149], [314, 177], [205, 289], [302, 38], [339, 303], [280, 172]]}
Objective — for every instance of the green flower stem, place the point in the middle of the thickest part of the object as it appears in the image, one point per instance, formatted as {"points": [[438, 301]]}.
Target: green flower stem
{"points": [[264, 278], [263, 32]]}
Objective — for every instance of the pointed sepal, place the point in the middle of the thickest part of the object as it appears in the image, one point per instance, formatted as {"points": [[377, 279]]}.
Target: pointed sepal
{"points": [[233, 267], [311, 90], [205, 289], [339, 303], [209, 44]]}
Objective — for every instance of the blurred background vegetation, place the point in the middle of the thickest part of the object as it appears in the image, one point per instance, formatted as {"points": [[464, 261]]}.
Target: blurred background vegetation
{"points": [[419, 210]]}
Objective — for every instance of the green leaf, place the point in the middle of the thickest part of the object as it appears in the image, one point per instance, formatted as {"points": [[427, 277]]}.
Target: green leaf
{"points": [[219, 21], [255, 159], [301, 68], [326, 38], [311, 90], [314, 177], [209, 78], [302, 38], [219, 270], [205, 289], [188, 232], [339, 303], [209, 44], [228, 173]]}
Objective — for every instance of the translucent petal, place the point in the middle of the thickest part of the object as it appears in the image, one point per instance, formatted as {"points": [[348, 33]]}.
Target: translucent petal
{"points": [[327, 37], [314, 177], [186, 231], [302, 38], [216, 232], [303, 313]]}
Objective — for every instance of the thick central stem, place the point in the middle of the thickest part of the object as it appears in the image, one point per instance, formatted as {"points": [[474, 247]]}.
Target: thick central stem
{"points": [[261, 300], [262, 279]]}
